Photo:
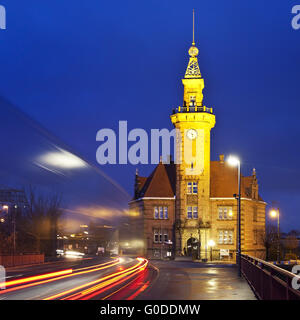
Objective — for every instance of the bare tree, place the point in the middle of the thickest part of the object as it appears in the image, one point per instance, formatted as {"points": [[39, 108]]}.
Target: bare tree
{"points": [[269, 238]]}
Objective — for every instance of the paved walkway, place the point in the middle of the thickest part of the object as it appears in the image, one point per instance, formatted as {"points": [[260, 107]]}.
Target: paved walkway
{"points": [[197, 281]]}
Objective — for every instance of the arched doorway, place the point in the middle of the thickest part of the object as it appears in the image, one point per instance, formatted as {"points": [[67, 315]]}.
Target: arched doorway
{"points": [[192, 247]]}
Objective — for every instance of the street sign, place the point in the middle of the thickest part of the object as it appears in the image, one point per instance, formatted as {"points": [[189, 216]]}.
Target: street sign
{"points": [[224, 252]]}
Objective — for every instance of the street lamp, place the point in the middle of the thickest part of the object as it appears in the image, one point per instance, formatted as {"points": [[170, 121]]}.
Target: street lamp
{"points": [[274, 213], [211, 244], [235, 161]]}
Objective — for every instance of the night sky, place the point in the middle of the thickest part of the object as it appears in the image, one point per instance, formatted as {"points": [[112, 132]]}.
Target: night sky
{"points": [[78, 66]]}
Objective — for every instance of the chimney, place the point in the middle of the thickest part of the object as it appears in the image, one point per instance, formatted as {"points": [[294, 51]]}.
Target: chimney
{"points": [[221, 157]]}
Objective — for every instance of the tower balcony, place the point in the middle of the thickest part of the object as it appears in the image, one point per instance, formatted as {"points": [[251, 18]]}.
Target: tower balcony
{"points": [[192, 109]]}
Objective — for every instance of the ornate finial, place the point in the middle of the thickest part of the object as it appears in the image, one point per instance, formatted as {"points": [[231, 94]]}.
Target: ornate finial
{"points": [[193, 70]]}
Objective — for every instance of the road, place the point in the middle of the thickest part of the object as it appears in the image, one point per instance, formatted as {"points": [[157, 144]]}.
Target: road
{"points": [[75, 279], [125, 278], [178, 280]]}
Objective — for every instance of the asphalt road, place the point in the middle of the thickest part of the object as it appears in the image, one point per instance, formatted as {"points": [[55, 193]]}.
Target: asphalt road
{"points": [[125, 279], [178, 280], [93, 278]]}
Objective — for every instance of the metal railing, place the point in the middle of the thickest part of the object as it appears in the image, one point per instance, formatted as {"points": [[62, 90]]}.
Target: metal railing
{"points": [[194, 109], [268, 281]]}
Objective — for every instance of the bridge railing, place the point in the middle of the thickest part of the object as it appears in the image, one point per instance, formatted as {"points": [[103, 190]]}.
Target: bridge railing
{"points": [[268, 281]]}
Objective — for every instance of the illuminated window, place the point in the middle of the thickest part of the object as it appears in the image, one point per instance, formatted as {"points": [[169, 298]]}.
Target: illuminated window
{"points": [[195, 187], [161, 213], [192, 212], [225, 213], [192, 188], [225, 237], [166, 216], [189, 212], [155, 212], [195, 212]]}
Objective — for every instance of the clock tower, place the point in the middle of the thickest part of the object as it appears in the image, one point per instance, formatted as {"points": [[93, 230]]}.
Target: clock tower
{"points": [[193, 122]]}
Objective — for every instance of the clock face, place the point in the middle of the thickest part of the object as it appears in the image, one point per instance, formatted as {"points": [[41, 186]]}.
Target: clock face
{"points": [[192, 134]]}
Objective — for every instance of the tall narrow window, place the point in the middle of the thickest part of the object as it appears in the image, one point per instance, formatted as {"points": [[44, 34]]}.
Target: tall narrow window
{"points": [[166, 238], [195, 212], [189, 212], [189, 187], [155, 236], [161, 213], [195, 187], [225, 217], [166, 216], [156, 213], [220, 210]]}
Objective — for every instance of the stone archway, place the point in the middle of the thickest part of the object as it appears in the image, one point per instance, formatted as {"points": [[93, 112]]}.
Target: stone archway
{"points": [[192, 247]]}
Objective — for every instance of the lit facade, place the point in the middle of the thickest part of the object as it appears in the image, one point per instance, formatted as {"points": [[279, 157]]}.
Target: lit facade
{"points": [[189, 209]]}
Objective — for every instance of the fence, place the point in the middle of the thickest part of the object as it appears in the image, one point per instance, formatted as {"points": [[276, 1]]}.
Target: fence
{"points": [[268, 281], [19, 260]]}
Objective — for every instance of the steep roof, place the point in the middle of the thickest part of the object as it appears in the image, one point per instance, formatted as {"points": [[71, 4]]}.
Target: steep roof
{"points": [[223, 182], [160, 183]]}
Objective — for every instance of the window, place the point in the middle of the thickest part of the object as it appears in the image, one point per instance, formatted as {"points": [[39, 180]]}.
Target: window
{"points": [[225, 213], [166, 216], [195, 212], [161, 213], [155, 212], [195, 187], [155, 236], [189, 187], [166, 237], [192, 187], [225, 237], [189, 212], [192, 212]]}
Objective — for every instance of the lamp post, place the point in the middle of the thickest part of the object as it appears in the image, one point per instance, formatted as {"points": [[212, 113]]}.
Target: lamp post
{"points": [[234, 161], [211, 244], [275, 213]]}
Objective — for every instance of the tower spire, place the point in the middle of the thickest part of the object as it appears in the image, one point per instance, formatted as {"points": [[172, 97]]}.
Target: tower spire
{"points": [[193, 70], [193, 27]]}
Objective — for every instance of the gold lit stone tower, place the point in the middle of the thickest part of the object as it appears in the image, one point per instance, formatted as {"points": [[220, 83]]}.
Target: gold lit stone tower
{"points": [[194, 121]]}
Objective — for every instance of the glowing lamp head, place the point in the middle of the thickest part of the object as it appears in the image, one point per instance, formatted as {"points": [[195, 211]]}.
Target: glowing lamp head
{"points": [[273, 213], [5, 207], [211, 243], [230, 213], [233, 161]]}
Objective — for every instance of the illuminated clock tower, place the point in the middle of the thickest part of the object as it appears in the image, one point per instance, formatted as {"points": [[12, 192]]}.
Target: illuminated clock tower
{"points": [[193, 122]]}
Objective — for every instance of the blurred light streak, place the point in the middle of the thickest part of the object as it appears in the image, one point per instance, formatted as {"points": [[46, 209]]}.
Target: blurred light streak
{"points": [[62, 159], [105, 281], [94, 291], [34, 278], [75, 273], [139, 291]]}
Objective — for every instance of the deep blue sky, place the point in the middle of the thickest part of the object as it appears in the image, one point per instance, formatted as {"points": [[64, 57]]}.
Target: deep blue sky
{"points": [[79, 66]]}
